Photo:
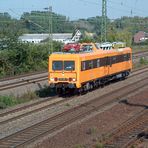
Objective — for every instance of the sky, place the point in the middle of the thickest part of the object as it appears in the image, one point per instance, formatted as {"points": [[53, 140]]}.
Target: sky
{"points": [[75, 9]]}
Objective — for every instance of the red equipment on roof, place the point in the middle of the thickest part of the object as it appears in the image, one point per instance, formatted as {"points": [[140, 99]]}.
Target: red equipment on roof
{"points": [[71, 47]]}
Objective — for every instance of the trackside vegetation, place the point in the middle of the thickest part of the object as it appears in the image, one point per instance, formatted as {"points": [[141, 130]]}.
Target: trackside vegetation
{"points": [[10, 100], [142, 62], [6, 101], [19, 58]]}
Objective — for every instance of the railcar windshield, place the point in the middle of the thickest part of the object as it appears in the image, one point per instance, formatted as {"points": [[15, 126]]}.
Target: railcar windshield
{"points": [[57, 65], [69, 65], [63, 65]]}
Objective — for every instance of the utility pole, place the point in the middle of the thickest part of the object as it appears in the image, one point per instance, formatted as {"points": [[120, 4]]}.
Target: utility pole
{"points": [[50, 29], [104, 21]]}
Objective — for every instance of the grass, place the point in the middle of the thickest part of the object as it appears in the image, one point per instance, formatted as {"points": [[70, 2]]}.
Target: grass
{"points": [[142, 62], [8, 101], [99, 145]]}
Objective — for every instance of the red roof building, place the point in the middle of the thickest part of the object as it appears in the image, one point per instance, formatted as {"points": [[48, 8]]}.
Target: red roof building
{"points": [[141, 36]]}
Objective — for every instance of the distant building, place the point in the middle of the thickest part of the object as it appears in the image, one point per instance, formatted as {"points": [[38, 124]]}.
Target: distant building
{"points": [[141, 36], [33, 38], [61, 37]]}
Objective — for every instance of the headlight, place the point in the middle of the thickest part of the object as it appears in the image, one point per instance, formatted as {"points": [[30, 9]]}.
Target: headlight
{"points": [[51, 79]]}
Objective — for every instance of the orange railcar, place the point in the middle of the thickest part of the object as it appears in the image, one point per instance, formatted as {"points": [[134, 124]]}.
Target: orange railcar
{"points": [[88, 69]]}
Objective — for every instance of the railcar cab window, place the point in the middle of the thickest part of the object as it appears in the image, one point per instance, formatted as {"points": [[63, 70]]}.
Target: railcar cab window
{"points": [[69, 65], [57, 65], [63, 65]]}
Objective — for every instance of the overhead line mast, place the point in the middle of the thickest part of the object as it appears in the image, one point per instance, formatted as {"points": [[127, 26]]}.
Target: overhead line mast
{"points": [[104, 21], [50, 30], [49, 9]]}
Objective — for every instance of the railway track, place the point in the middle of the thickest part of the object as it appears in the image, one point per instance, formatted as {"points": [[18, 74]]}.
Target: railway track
{"points": [[139, 71], [22, 76], [129, 132], [48, 103], [53, 124], [140, 54], [22, 81]]}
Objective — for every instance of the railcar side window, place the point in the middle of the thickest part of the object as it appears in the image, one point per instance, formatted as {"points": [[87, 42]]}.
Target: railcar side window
{"points": [[125, 57], [83, 66], [57, 65], [120, 58], [113, 60], [90, 65], [69, 65], [98, 62], [129, 57], [87, 65], [95, 63], [103, 61]]}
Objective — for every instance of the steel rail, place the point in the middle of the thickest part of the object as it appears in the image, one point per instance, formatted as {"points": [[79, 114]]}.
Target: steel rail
{"points": [[28, 135], [128, 132]]}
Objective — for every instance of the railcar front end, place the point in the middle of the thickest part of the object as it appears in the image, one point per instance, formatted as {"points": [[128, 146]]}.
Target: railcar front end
{"points": [[63, 72]]}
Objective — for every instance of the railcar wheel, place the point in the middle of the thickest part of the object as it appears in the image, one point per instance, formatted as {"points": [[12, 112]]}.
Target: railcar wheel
{"points": [[59, 91], [80, 91]]}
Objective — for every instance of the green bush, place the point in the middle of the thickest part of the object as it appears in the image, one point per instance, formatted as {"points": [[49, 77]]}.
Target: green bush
{"points": [[143, 61], [24, 58], [7, 101]]}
